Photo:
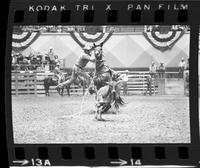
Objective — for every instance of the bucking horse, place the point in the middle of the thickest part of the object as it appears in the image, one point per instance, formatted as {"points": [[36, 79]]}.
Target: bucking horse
{"points": [[107, 84]]}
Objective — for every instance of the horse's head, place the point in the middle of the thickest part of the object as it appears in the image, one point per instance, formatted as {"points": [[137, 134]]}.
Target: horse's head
{"points": [[98, 53]]}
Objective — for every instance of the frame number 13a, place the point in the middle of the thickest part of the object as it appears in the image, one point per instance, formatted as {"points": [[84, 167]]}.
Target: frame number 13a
{"points": [[40, 162]]}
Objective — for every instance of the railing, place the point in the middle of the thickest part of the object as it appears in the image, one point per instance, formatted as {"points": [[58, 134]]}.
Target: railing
{"points": [[31, 67], [33, 83], [137, 83], [24, 83]]}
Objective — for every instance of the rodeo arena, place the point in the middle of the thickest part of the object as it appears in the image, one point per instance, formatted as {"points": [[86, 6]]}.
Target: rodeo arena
{"points": [[100, 84]]}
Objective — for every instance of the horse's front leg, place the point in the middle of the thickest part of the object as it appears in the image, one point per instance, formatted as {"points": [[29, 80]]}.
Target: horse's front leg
{"points": [[62, 92], [83, 90], [96, 114], [100, 108]]}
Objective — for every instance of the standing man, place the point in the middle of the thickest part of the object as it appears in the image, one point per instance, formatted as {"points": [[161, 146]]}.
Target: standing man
{"points": [[188, 64], [152, 69], [149, 83], [161, 70], [125, 82], [79, 67], [57, 61], [51, 58], [181, 67]]}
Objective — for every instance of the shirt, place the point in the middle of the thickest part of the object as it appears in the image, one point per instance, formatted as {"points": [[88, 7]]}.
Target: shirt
{"points": [[51, 55], [149, 80], [152, 68], [83, 60], [182, 64]]}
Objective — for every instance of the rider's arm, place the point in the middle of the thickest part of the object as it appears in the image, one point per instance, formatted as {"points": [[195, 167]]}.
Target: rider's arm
{"points": [[89, 58]]}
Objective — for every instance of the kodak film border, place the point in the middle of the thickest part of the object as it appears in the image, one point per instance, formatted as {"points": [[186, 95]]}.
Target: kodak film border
{"points": [[161, 13]]}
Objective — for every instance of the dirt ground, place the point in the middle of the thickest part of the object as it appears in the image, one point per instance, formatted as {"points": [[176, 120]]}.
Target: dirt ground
{"points": [[144, 119]]}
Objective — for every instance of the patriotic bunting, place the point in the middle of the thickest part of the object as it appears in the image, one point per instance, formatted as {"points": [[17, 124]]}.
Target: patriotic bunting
{"points": [[163, 40], [23, 40], [83, 38]]}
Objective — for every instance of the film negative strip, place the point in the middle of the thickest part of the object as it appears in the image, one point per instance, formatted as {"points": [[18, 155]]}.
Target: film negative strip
{"points": [[102, 83]]}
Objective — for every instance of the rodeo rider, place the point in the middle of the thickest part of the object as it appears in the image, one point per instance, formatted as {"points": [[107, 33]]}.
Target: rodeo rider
{"points": [[79, 67]]}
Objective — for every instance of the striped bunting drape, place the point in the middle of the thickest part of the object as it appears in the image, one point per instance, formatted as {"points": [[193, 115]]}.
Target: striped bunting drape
{"points": [[23, 40], [163, 41], [83, 38]]}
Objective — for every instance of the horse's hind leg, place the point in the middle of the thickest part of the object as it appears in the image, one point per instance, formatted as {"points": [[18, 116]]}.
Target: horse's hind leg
{"points": [[47, 91], [100, 116], [100, 111], [68, 90], [58, 90], [96, 114]]}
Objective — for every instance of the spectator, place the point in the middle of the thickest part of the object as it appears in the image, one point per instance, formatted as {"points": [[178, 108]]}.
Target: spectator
{"points": [[34, 62], [51, 54], [187, 64], [181, 67], [152, 69], [14, 59], [149, 84], [19, 58], [57, 61], [24, 64], [125, 82], [161, 70]]}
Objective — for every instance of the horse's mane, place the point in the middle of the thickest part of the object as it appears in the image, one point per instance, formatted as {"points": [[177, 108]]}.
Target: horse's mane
{"points": [[117, 101]]}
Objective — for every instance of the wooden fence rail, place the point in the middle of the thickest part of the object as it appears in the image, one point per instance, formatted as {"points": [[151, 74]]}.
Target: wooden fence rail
{"points": [[33, 83]]}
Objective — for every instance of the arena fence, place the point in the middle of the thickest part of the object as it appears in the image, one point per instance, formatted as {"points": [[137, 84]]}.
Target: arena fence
{"points": [[33, 83]]}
